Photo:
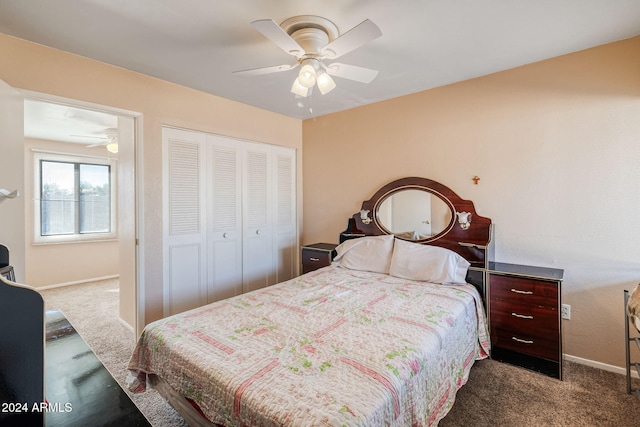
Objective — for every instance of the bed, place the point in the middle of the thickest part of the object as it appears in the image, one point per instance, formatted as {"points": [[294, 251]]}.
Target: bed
{"points": [[385, 336]]}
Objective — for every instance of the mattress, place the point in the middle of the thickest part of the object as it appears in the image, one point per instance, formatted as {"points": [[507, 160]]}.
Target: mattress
{"points": [[334, 347]]}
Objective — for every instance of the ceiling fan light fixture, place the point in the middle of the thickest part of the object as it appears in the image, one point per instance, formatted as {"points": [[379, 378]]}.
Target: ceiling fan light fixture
{"points": [[307, 76], [298, 89], [112, 147], [112, 141], [325, 83]]}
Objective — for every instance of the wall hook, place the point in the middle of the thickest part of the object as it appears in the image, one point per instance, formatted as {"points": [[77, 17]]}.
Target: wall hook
{"points": [[6, 194]]}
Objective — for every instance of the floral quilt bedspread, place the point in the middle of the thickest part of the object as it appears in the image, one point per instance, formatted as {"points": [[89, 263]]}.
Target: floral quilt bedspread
{"points": [[334, 347]]}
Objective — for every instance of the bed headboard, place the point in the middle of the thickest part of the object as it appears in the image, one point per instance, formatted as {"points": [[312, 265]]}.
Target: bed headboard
{"points": [[424, 211]]}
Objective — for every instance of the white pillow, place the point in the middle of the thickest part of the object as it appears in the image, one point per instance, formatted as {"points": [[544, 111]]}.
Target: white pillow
{"points": [[370, 253], [433, 264]]}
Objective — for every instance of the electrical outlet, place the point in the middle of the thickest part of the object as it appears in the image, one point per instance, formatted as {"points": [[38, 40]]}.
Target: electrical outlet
{"points": [[566, 311]]}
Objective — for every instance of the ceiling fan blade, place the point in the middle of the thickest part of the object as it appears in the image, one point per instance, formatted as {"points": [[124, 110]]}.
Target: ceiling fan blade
{"points": [[277, 35], [265, 70], [362, 33], [351, 72], [89, 136], [102, 144]]}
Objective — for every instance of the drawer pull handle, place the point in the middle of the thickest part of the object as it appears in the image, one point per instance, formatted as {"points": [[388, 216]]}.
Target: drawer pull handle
{"points": [[315, 259], [522, 341], [522, 316], [521, 292]]}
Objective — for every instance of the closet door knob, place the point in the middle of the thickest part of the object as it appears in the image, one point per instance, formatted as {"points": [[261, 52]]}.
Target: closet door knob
{"points": [[225, 235], [258, 231]]}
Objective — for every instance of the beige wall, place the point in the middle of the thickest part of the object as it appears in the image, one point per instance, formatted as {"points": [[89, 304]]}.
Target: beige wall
{"points": [[12, 211], [556, 145], [64, 263], [38, 68]]}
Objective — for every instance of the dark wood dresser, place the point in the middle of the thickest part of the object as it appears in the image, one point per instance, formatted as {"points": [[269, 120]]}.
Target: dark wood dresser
{"points": [[525, 316], [317, 255], [80, 390]]}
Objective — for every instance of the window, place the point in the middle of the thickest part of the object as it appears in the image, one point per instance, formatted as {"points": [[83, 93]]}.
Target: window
{"points": [[76, 199]]}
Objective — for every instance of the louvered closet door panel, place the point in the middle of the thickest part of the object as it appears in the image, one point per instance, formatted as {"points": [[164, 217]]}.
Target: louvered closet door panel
{"points": [[184, 228], [284, 206], [224, 218], [257, 265]]}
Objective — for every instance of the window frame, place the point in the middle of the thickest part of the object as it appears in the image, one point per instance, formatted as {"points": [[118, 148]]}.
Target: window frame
{"points": [[38, 238]]}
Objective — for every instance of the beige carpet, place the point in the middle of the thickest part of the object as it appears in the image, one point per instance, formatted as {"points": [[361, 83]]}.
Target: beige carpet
{"points": [[496, 394]]}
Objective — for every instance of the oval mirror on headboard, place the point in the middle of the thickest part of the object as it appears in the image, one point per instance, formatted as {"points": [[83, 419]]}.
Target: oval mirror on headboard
{"points": [[454, 223], [414, 213]]}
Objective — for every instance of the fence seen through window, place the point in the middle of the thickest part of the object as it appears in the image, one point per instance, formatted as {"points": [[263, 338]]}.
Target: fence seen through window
{"points": [[75, 198]]}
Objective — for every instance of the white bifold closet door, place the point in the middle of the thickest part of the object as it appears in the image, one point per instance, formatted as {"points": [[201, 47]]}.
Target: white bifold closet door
{"points": [[224, 209], [285, 239], [229, 215], [257, 260], [269, 238], [184, 221]]}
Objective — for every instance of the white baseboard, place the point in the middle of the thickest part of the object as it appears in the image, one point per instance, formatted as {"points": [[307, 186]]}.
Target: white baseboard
{"points": [[127, 325], [599, 365], [77, 282]]}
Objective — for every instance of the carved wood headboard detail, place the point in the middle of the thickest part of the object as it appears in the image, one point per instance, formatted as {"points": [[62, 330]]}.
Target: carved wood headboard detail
{"points": [[473, 243]]}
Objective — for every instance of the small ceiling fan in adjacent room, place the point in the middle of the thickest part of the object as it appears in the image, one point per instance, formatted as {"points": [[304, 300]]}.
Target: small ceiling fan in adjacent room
{"points": [[312, 40], [110, 140]]}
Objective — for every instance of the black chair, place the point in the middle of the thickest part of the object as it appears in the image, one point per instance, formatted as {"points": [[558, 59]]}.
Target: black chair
{"points": [[21, 355], [6, 270], [21, 350], [4, 256]]}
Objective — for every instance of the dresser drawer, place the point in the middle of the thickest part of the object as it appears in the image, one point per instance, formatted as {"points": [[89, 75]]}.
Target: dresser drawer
{"points": [[317, 258], [545, 347], [535, 321], [523, 291]]}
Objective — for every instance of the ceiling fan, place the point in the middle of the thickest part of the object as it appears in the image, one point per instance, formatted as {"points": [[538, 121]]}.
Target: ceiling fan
{"points": [[110, 138], [312, 40]]}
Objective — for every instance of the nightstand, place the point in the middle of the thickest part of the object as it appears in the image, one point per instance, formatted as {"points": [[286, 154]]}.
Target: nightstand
{"points": [[317, 255], [525, 316]]}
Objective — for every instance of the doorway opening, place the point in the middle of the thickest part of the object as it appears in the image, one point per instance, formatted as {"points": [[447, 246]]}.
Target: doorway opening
{"points": [[85, 229]]}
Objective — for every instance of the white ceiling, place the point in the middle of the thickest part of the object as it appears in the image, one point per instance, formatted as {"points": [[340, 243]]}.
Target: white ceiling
{"points": [[64, 123], [425, 43]]}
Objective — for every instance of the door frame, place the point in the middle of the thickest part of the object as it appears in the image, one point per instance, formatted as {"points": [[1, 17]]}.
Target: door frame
{"points": [[139, 294]]}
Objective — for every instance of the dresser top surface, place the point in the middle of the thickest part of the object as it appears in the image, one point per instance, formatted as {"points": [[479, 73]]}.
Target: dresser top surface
{"points": [[321, 246], [526, 270]]}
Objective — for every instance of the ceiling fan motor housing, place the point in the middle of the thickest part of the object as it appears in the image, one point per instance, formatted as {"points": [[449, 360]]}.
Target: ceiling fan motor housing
{"points": [[312, 40], [311, 32]]}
